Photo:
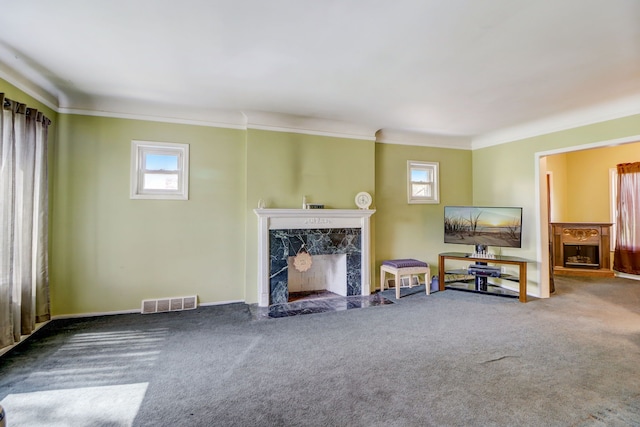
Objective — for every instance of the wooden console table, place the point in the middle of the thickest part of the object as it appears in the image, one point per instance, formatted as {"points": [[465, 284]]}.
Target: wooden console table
{"points": [[499, 259]]}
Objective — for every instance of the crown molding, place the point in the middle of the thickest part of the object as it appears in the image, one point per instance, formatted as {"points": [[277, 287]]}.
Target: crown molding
{"points": [[401, 137], [619, 108], [34, 84], [598, 144], [210, 118], [308, 125], [25, 82]]}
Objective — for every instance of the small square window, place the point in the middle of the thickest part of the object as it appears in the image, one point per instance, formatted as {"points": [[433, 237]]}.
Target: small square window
{"points": [[422, 182], [159, 170]]}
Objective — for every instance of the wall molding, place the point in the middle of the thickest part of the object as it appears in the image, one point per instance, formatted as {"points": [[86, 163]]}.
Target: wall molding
{"points": [[308, 125], [27, 86], [401, 137], [617, 109], [153, 118], [35, 85]]}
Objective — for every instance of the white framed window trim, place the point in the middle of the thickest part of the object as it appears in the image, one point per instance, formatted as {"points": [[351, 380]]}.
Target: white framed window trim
{"points": [[159, 170], [423, 182]]}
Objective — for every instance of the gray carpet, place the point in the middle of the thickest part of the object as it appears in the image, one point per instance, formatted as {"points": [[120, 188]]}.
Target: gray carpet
{"points": [[448, 359]]}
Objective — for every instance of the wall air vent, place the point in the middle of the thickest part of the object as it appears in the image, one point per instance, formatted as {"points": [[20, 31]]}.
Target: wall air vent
{"points": [[162, 305]]}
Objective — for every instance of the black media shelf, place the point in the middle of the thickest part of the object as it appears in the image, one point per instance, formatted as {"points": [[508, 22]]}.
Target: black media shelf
{"points": [[498, 291], [463, 281], [483, 282]]}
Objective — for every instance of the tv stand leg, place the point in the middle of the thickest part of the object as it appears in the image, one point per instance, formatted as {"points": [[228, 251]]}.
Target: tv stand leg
{"points": [[481, 283]]}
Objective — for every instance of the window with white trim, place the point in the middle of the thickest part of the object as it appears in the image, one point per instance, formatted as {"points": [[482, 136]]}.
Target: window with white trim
{"points": [[159, 170], [422, 182]]}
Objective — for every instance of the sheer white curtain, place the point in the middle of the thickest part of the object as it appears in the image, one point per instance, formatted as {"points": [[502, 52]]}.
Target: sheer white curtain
{"points": [[626, 257], [24, 276]]}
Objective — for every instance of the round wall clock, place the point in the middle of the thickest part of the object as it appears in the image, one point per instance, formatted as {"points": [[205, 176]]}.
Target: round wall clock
{"points": [[363, 200]]}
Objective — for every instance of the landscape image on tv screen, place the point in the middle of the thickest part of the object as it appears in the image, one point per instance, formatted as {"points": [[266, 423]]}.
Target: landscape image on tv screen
{"points": [[491, 226]]}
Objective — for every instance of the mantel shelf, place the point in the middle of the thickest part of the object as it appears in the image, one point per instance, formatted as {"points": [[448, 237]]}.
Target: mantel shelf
{"points": [[314, 213]]}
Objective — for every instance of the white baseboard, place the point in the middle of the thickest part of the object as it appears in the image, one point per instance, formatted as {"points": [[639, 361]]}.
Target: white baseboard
{"points": [[23, 338], [104, 313], [627, 276], [204, 304], [132, 311]]}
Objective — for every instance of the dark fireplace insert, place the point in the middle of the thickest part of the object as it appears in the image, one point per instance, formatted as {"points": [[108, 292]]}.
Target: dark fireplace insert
{"points": [[581, 256]]}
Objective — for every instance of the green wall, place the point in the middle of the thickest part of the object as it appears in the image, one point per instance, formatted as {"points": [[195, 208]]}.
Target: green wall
{"points": [[109, 252], [416, 230], [283, 167]]}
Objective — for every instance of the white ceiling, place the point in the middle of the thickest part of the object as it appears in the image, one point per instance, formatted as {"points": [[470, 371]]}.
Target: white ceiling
{"points": [[447, 67]]}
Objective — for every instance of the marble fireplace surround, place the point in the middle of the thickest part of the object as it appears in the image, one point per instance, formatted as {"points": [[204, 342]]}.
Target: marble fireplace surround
{"points": [[290, 222]]}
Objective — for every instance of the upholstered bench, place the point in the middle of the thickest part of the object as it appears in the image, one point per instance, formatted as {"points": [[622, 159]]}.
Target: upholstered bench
{"points": [[404, 267]]}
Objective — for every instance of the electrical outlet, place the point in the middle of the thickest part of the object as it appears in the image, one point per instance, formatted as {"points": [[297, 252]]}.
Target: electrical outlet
{"points": [[503, 270]]}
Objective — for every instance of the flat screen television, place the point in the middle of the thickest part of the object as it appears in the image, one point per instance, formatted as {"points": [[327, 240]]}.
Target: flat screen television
{"points": [[483, 226]]}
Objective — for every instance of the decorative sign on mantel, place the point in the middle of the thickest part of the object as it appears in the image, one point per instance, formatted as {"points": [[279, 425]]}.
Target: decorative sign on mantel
{"points": [[316, 221]]}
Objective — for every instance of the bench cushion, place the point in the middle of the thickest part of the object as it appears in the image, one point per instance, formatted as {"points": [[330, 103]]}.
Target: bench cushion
{"points": [[404, 263]]}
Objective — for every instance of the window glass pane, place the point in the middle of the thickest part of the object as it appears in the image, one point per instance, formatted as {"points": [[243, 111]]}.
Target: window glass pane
{"points": [[164, 162], [160, 181], [421, 190], [419, 175]]}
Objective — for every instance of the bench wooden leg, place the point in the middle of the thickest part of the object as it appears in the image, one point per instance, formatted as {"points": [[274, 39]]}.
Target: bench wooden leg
{"points": [[427, 285]]}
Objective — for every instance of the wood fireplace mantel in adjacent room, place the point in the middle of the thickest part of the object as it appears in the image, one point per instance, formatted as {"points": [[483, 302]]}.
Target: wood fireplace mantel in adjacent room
{"points": [[582, 249]]}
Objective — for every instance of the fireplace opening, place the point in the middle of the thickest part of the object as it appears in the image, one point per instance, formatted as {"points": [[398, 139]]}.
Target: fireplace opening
{"points": [[581, 256], [327, 277], [345, 278]]}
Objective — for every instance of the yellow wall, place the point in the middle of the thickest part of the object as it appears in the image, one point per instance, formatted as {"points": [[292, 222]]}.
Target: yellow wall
{"points": [[587, 186]]}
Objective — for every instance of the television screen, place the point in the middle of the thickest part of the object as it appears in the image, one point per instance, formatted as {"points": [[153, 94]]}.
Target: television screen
{"points": [[489, 226]]}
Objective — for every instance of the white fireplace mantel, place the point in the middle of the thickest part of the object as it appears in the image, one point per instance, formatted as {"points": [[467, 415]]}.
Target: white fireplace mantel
{"points": [[278, 219]]}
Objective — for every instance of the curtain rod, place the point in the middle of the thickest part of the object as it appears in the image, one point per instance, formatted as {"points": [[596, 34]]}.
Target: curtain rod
{"points": [[24, 109]]}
